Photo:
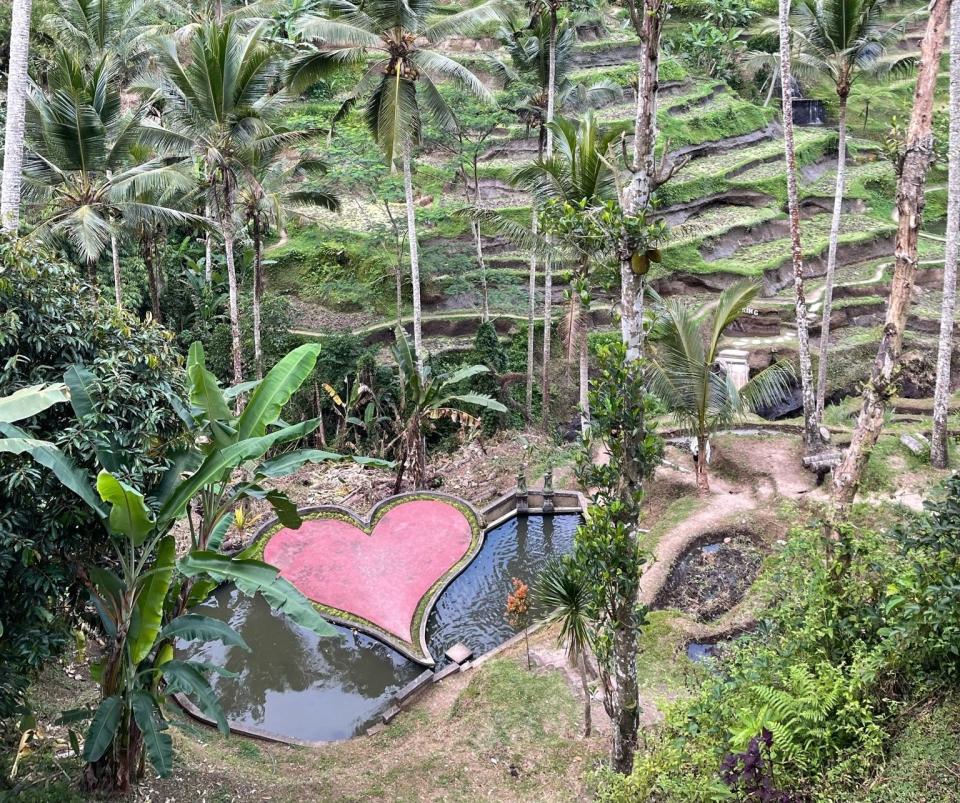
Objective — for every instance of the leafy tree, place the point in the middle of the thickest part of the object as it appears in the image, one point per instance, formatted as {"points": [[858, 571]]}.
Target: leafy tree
{"points": [[78, 177], [274, 191], [218, 108], [682, 372], [424, 398], [568, 187], [401, 80], [605, 547], [49, 323]]}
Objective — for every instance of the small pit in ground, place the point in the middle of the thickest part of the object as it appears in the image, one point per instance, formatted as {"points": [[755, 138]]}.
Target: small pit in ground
{"points": [[712, 575]]}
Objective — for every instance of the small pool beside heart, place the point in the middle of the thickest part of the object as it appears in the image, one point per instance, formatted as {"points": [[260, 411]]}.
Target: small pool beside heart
{"points": [[295, 685]]}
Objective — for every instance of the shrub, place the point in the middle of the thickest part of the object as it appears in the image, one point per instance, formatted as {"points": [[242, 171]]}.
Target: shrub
{"points": [[51, 319]]}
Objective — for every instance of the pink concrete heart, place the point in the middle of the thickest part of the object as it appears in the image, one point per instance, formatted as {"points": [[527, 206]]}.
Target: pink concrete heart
{"points": [[382, 576]]}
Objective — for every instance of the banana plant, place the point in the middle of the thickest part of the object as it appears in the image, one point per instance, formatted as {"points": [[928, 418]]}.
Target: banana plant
{"points": [[144, 593], [424, 398]]}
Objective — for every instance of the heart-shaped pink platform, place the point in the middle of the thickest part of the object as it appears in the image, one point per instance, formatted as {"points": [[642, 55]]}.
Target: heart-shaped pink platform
{"points": [[384, 575]]}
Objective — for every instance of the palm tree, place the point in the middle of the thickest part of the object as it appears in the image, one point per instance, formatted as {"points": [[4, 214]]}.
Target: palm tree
{"points": [[531, 59], [812, 439], [402, 78], [275, 190], [218, 108], [79, 176], [423, 398], [13, 139], [95, 29], [575, 181], [847, 40], [563, 589], [682, 370], [941, 396]]}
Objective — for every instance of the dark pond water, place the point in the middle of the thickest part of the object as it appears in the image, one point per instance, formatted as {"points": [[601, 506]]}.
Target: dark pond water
{"points": [[294, 683]]}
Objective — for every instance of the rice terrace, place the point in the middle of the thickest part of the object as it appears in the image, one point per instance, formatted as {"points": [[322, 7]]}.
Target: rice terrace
{"points": [[495, 400]]}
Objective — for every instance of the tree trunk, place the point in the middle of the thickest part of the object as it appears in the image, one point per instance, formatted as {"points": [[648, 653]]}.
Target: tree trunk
{"points": [[16, 116], [414, 259], [703, 477], [811, 423], [257, 295], [918, 153], [147, 254], [547, 313], [548, 262], [832, 256], [939, 454], [483, 272], [584, 380], [626, 706], [531, 323], [117, 284], [208, 245], [585, 684], [636, 195], [226, 226]]}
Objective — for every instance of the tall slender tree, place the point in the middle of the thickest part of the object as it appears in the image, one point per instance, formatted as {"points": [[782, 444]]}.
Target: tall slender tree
{"points": [[941, 397], [13, 140], [276, 188], [219, 109], [912, 167], [811, 422], [847, 40], [400, 81]]}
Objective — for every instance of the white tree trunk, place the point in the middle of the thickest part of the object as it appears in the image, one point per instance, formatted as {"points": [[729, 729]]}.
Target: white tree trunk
{"points": [[226, 226], [637, 193], [414, 259], [16, 116], [938, 448], [584, 378], [208, 263], [811, 423], [531, 322], [483, 271], [832, 258], [117, 286], [548, 262], [257, 297], [910, 201]]}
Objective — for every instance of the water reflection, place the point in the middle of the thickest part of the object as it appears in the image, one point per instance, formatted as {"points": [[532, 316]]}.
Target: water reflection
{"points": [[297, 684]]}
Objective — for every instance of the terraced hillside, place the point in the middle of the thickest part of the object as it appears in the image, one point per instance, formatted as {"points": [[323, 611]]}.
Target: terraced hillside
{"points": [[724, 208]]}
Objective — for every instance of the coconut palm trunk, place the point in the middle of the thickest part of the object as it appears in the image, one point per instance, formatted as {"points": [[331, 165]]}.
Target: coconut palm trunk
{"points": [[548, 261], [153, 283], [16, 116], [208, 250], [531, 322], [257, 295], [938, 446], [115, 258], [225, 208], [832, 253], [414, 259], [811, 423], [636, 195], [918, 153]]}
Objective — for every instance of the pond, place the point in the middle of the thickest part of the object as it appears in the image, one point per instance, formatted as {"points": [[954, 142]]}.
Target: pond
{"points": [[295, 684]]}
